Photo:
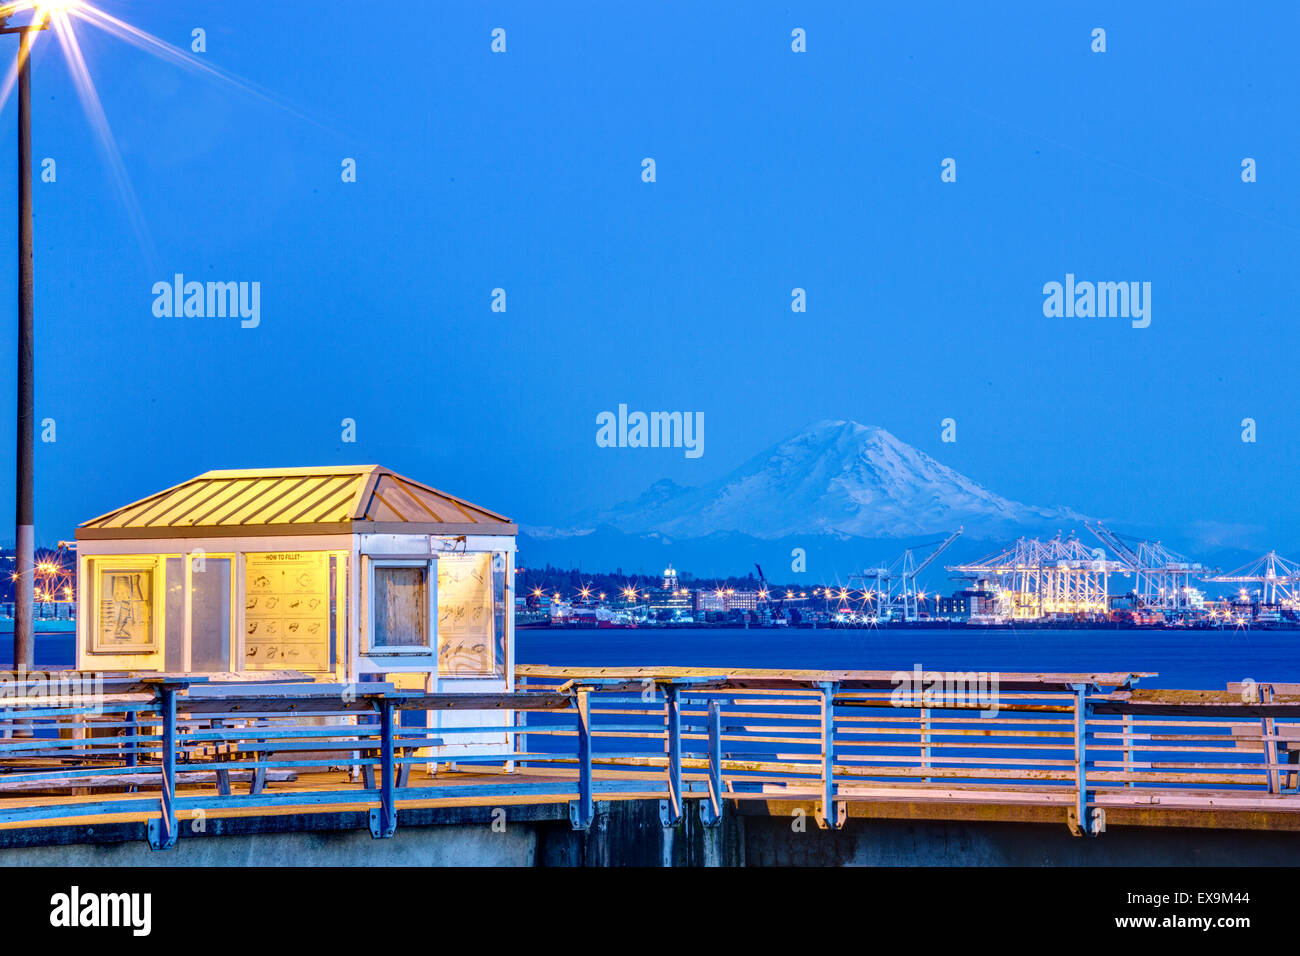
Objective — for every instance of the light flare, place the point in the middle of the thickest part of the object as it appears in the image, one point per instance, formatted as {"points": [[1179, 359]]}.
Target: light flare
{"points": [[57, 16], [149, 43], [99, 120]]}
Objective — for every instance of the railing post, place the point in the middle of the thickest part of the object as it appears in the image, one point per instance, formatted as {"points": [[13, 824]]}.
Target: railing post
{"points": [[162, 831], [1083, 823], [711, 809], [925, 742], [132, 728], [520, 719], [583, 810], [832, 815], [1268, 731], [670, 810], [383, 818], [1128, 747], [220, 750]]}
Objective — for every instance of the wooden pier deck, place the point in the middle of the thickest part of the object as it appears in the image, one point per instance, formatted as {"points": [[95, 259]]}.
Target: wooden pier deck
{"points": [[921, 802]]}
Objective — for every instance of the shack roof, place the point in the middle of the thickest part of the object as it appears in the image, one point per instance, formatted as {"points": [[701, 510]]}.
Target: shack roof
{"points": [[328, 500]]}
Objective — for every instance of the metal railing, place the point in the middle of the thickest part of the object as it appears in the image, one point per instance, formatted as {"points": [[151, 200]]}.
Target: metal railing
{"points": [[172, 751], [1083, 741], [208, 748]]}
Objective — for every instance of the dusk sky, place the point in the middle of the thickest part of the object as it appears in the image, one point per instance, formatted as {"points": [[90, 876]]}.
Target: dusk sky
{"points": [[775, 170]]}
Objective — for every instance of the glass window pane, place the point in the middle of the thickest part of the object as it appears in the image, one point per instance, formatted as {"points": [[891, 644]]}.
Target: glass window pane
{"points": [[333, 628], [124, 622], [174, 618], [468, 632], [401, 618], [499, 618], [210, 615]]}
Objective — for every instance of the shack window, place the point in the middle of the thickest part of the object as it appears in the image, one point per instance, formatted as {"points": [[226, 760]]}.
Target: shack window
{"points": [[400, 600], [401, 607], [125, 618], [471, 615], [210, 614], [174, 617]]}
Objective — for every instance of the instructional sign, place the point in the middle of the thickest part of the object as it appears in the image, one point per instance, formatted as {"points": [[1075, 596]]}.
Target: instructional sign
{"points": [[286, 611]]}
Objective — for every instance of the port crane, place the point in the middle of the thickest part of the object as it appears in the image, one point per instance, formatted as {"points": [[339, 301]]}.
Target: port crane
{"points": [[1033, 579], [767, 593], [1279, 579], [1162, 578], [906, 599], [875, 584]]}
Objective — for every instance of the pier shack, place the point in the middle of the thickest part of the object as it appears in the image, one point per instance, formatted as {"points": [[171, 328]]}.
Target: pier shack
{"points": [[341, 574]]}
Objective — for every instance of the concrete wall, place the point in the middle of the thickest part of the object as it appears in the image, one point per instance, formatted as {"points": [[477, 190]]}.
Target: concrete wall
{"points": [[769, 841], [628, 833]]}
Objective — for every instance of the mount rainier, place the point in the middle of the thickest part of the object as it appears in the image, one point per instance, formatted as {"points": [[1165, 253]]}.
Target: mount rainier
{"points": [[835, 477]]}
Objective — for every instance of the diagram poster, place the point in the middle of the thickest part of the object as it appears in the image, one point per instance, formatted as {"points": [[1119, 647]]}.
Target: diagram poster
{"points": [[465, 644], [125, 612], [286, 611]]}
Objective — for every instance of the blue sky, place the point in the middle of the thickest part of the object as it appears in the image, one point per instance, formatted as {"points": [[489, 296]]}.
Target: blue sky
{"points": [[775, 170]]}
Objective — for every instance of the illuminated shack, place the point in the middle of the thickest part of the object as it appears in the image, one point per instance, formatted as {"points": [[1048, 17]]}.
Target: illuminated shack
{"points": [[342, 574]]}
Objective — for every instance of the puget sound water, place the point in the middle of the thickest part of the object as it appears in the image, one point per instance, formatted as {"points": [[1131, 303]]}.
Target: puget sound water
{"points": [[1193, 659]]}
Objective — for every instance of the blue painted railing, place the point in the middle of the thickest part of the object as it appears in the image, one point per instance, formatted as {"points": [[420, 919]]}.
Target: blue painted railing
{"points": [[575, 737]]}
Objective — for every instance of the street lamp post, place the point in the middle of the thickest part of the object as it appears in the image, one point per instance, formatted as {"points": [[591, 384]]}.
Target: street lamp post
{"points": [[25, 532]]}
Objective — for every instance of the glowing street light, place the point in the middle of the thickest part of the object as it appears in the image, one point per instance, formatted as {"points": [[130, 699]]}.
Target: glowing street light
{"points": [[58, 15]]}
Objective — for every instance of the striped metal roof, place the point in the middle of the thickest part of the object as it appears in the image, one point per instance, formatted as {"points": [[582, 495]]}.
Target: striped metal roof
{"points": [[347, 499]]}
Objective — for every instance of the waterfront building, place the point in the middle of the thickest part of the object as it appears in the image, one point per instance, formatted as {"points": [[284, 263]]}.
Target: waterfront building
{"points": [[743, 600], [726, 600], [336, 573], [670, 602], [709, 602]]}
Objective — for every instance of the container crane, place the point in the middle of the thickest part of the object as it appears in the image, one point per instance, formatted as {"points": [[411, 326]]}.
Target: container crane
{"points": [[911, 571], [767, 594], [1162, 578], [906, 600], [1279, 579]]}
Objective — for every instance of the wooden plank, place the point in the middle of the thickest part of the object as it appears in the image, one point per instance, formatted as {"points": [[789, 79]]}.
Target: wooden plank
{"points": [[762, 678], [1196, 704], [1284, 690], [522, 701], [100, 781]]}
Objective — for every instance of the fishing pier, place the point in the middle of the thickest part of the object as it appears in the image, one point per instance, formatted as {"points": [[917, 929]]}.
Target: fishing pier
{"points": [[650, 765], [316, 665]]}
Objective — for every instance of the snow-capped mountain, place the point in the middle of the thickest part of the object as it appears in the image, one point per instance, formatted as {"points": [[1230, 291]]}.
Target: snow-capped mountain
{"points": [[833, 478]]}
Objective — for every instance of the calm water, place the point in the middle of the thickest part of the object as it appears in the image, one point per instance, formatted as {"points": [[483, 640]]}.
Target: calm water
{"points": [[1193, 659]]}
